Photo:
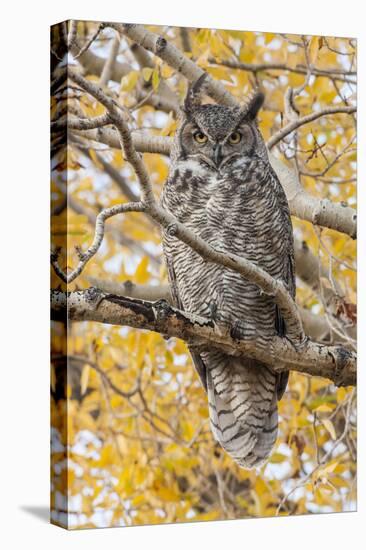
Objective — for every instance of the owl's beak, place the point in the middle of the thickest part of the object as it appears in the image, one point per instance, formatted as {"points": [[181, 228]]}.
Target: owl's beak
{"points": [[217, 154]]}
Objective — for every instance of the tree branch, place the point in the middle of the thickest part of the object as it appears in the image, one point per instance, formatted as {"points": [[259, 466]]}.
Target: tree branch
{"points": [[143, 143], [73, 123], [305, 120], [110, 62], [119, 236], [333, 362], [159, 46], [316, 327], [84, 257], [321, 212], [132, 290], [333, 73]]}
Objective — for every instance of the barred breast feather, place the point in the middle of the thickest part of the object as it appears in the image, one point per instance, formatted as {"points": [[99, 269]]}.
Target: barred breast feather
{"points": [[243, 211]]}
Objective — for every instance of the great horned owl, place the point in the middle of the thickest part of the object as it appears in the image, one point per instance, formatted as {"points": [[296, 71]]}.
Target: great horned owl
{"points": [[222, 187]]}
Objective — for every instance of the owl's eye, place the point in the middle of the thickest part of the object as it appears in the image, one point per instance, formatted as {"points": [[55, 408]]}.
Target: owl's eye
{"points": [[200, 137], [235, 138]]}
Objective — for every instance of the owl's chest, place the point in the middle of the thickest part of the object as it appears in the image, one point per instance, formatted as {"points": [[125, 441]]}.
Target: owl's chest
{"points": [[225, 213], [228, 215]]}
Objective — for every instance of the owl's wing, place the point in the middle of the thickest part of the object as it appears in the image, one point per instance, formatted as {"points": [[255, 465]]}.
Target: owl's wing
{"points": [[288, 274], [177, 302], [289, 278], [197, 361]]}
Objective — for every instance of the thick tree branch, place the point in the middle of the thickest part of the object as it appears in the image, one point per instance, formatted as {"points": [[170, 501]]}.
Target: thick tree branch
{"points": [[310, 270], [132, 290], [143, 143], [321, 212], [333, 362], [316, 327], [159, 46]]}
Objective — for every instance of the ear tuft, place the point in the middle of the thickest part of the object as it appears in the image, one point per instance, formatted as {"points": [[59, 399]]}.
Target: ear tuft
{"points": [[193, 97], [253, 105]]}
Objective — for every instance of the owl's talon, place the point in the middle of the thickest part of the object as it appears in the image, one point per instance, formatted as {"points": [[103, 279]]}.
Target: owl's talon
{"points": [[297, 346], [95, 296], [161, 309]]}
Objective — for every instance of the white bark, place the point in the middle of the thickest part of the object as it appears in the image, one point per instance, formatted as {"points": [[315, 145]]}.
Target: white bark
{"points": [[333, 362]]}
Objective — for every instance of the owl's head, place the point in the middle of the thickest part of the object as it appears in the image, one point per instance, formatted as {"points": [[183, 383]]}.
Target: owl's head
{"points": [[215, 134]]}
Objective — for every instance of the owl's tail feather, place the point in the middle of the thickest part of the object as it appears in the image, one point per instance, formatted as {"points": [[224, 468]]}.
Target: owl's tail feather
{"points": [[242, 396]]}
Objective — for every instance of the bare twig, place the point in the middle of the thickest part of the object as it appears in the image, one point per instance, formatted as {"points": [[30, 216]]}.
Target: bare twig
{"points": [[109, 64], [305, 120], [80, 123], [326, 456], [255, 68], [84, 257], [90, 41]]}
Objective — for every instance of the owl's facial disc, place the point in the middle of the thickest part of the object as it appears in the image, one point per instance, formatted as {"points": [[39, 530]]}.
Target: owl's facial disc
{"points": [[215, 135]]}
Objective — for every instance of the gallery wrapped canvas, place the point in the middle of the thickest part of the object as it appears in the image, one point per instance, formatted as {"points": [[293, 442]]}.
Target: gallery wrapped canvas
{"points": [[203, 274]]}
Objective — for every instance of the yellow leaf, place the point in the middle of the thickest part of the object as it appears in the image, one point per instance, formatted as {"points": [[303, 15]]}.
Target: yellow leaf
{"points": [[329, 427], [155, 79], [328, 469], [142, 274], [118, 160], [268, 37], [53, 378], [95, 159], [277, 458], [313, 49], [146, 73], [139, 499], [170, 126], [141, 349], [187, 430], [341, 395], [84, 379], [323, 408], [166, 71], [167, 494], [129, 81], [295, 80], [219, 73]]}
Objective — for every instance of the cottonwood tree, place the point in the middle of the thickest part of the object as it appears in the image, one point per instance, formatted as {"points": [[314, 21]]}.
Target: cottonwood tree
{"points": [[136, 435]]}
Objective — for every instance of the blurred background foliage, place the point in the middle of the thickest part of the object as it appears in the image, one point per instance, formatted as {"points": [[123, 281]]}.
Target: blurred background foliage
{"points": [[135, 446]]}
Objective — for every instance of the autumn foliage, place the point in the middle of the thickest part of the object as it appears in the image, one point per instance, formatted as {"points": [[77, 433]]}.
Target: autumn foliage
{"points": [[131, 442]]}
